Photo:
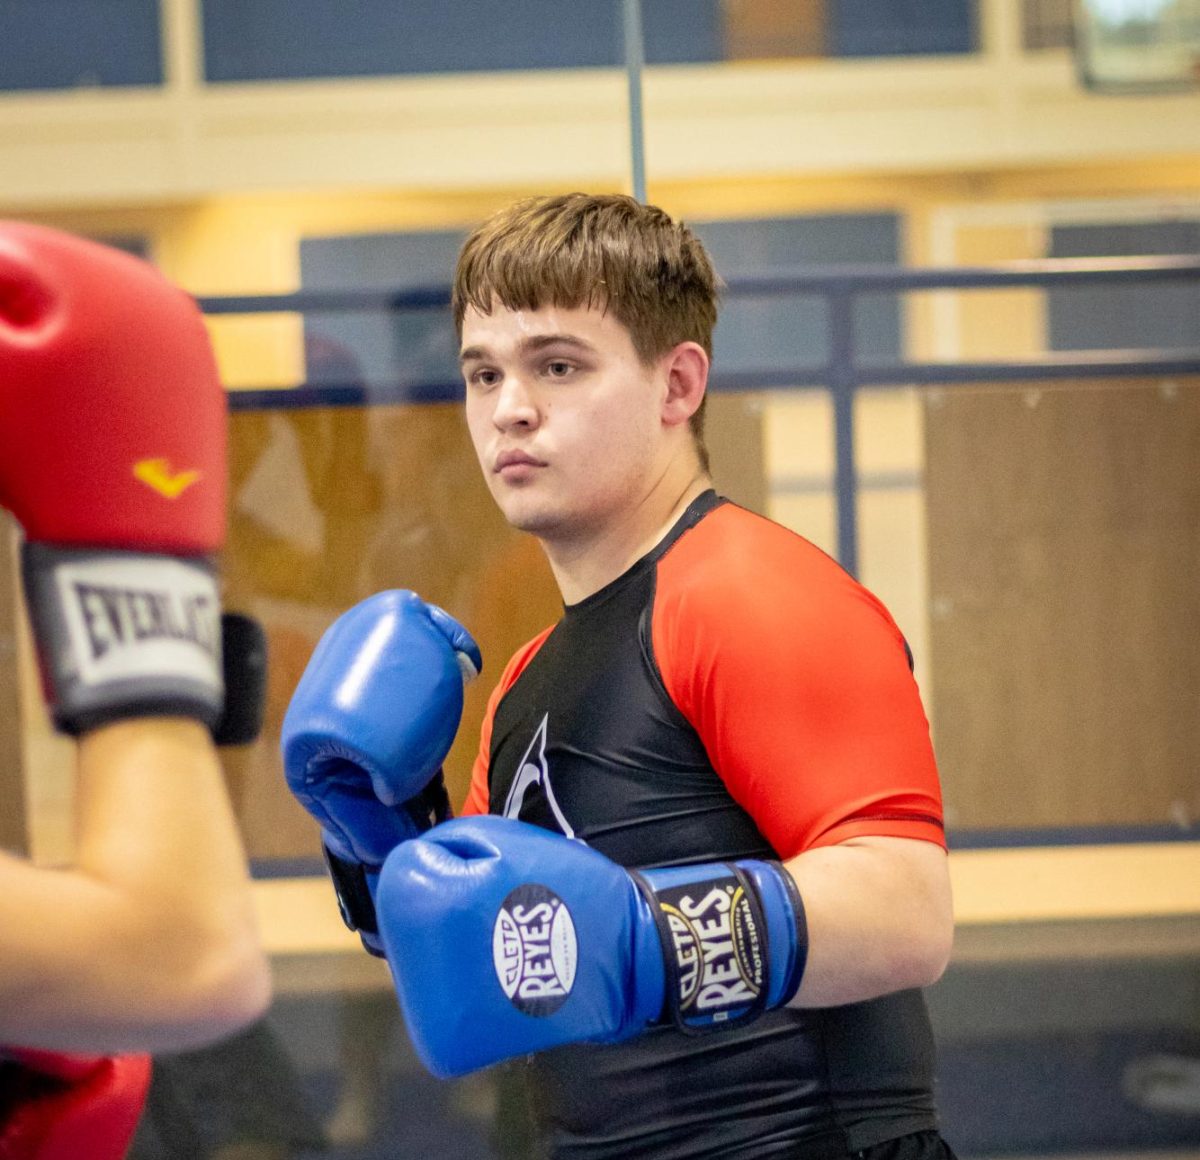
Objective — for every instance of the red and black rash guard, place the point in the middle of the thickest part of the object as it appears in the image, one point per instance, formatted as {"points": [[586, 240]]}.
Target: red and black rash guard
{"points": [[734, 694]]}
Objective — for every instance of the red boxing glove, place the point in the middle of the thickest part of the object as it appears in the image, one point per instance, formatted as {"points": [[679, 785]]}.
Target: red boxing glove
{"points": [[63, 1107], [112, 457]]}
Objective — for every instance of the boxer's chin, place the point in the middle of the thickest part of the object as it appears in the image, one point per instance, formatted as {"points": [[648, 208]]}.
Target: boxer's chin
{"points": [[530, 506]]}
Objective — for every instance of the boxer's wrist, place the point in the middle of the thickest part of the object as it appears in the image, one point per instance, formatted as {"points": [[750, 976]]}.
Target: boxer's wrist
{"points": [[354, 885], [734, 940], [355, 879]]}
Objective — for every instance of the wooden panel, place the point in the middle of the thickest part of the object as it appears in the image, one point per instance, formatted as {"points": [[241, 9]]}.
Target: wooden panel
{"points": [[735, 437], [1016, 905], [330, 505], [765, 29], [1064, 541]]}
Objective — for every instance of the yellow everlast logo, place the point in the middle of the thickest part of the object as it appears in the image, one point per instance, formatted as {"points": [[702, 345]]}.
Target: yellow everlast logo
{"points": [[156, 473]]}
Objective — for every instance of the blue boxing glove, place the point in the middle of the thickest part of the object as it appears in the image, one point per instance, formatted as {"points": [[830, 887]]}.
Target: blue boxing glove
{"points": [[505, 939], [366, 732]]}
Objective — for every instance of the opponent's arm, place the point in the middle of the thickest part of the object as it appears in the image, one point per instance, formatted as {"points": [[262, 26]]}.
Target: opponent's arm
{"points": [[112, 458], [148, 942]]}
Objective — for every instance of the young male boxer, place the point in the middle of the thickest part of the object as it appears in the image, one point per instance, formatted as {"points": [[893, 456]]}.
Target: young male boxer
{"points": [[714, 879], [112, 460]]}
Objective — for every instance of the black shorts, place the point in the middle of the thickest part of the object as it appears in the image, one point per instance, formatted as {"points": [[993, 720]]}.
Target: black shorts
{"points": [[918, 1146]]}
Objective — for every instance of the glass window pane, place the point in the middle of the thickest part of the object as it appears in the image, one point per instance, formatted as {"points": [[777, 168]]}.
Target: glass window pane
{"points": [[62, 44]]}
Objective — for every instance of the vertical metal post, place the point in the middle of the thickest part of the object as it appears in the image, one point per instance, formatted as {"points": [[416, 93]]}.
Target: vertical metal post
{"points": [[634, 59], [16, 822], [841, 386]]}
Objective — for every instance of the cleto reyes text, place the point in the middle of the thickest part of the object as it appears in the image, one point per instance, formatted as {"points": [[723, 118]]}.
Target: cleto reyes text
{"points": [[714, 937], [530, 952]]}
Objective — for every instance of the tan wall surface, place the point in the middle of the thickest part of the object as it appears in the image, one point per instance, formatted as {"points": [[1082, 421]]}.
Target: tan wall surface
{"points": [[1064, 551]]}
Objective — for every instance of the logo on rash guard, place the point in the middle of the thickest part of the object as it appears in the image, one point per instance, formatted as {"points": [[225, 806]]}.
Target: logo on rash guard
{"points": [[718, 948], [533, 783], [534, 949]]}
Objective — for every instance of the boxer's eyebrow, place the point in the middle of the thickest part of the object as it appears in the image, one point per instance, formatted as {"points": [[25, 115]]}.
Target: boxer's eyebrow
{"points": [[541, 341], [534, 343]]}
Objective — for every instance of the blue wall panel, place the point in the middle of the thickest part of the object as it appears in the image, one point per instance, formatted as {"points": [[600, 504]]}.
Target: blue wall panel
{"points": [[48, 44], [680, 31], [1103, 317], [292, 39], [900, 27], [781, 331], [62, 44], [380, 349]]}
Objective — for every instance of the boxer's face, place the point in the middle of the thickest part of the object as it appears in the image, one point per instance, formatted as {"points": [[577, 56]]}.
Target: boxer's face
{"points": [[565, 418]]}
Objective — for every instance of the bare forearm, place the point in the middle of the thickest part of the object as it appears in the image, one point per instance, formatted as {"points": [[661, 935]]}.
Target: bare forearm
{"points": [[879, 919], [154, 821], [149, 941]]}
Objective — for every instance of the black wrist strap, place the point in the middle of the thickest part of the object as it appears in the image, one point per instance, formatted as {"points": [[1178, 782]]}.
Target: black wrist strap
{"points": [[244, 666], [353, 893], [351, 878], [431, 806]]}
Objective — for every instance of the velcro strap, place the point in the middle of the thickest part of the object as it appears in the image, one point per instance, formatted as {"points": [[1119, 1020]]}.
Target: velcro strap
{"points": [[244, 668], [349, 878], [431, 806], [715, 947]]}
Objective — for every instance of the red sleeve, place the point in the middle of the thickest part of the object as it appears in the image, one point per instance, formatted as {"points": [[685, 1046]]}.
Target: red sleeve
{"points": [[797, 681], [478, 791], [62, 1106]]}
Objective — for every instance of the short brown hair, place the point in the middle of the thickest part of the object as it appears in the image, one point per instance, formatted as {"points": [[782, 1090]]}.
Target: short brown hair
{"points": [[603, 250]]}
